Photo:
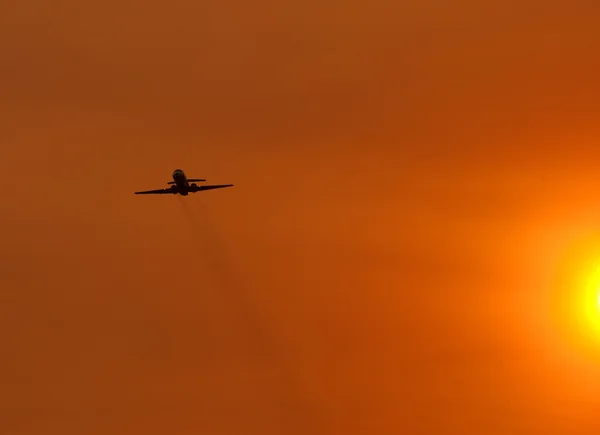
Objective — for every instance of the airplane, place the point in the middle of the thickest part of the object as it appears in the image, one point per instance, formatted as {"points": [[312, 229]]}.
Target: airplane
{"points": [[181, 185]]}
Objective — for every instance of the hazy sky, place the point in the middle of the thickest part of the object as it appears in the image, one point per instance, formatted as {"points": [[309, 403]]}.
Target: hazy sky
{"points": [[416, 188]]}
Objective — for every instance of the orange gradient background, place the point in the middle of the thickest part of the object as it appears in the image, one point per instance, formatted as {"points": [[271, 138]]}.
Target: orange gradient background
{"points": [[409, 247]]}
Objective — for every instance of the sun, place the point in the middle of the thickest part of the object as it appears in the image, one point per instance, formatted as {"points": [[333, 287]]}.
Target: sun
{"points": [[575, 299], [590, 305], [561, 303], [583, 303]]}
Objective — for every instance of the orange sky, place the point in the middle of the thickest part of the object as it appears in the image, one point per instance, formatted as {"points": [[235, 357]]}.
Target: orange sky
{"points": [[411, 179]]}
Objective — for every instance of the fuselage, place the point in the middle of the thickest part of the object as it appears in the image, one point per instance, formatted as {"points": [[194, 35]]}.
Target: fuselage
{"points": [[181, 182]]}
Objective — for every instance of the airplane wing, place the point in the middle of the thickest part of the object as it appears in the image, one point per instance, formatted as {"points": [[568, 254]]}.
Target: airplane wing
{"points": [[156, 192], [216, 186]]}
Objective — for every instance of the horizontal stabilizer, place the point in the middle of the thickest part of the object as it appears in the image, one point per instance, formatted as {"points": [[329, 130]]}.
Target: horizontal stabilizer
{"points": [[189, 179], [196, 188]]}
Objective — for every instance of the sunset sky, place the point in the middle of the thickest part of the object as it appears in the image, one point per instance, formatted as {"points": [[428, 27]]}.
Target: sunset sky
{"points": [[412, 245]]}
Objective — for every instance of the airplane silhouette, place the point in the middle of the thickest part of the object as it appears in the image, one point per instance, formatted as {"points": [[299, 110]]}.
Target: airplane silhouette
{"points": [[181, 185]]}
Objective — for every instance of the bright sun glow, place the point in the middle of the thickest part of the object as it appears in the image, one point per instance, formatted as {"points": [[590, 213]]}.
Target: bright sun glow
{"points": [[562, 302], [575, 298], [590, 305], [583, 304]]}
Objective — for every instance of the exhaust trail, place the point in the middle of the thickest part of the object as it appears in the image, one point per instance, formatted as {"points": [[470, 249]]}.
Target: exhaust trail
{"points": [[295, 413]]}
